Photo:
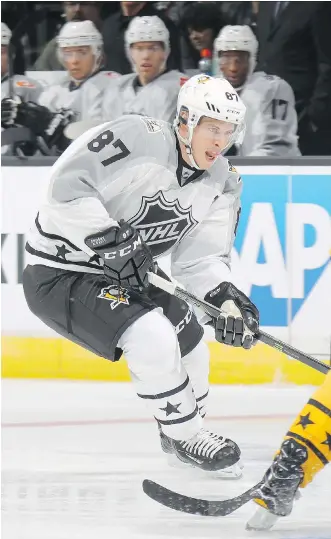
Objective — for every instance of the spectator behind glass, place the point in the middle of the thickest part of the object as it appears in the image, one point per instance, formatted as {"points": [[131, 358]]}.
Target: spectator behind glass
{"points": [[79, 11], [295, 44], [153, 89], [240, 13], [115, 26], [201, 23], [271, 119]]}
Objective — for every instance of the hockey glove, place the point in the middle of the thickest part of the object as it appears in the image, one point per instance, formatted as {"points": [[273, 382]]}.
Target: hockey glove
{"points": [[42, 122], [240, 322], [127, 258]]}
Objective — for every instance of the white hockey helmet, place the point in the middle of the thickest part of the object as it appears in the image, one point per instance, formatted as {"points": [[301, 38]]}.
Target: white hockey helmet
{"points": [[211, 97], [147, 29], [5, 34], [80, 34], [238, 38]]}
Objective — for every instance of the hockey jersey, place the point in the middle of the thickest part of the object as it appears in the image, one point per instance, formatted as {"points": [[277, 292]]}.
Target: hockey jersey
{"points": [[132, 169], [157, 99], [84, 100], [271, 118]]}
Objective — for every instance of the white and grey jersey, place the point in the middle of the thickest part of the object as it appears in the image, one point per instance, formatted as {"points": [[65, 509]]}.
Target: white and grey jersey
{"points": [[157, 99], [271, 118], [84, 100], [132, 169], [26, 88]]}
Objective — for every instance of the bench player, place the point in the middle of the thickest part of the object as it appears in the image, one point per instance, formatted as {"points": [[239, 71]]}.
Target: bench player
{"points": [[152, 89], [271, 119]]}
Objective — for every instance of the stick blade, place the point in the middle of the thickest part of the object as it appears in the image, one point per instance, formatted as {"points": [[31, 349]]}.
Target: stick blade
{"points": [[173, 500], [195, 506]]}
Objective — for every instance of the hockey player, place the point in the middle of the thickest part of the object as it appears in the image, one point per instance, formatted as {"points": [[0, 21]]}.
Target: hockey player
{"points": [[14, 91], [28, 89], [305, 451], [123, 194], [80, 49], [79, 95], [271, 119], [152, 90]]}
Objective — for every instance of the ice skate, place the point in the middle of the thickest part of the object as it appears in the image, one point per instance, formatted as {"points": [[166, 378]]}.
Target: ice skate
{"points": [[280, 485], [209, 452]]}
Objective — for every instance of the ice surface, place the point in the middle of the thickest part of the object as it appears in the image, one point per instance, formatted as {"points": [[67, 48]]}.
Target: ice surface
{"points": [[74, 455]]}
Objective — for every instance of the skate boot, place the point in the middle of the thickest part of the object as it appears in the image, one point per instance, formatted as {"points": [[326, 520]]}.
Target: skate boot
{"points": [[280, 486], [206, 451]]}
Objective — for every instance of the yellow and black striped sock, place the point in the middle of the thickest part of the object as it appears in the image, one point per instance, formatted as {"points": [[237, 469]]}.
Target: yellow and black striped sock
{"points": [[312, 428]]}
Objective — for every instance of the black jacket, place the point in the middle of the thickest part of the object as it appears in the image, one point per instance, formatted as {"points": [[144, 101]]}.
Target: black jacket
{"points": [[298, 49], [113, 37]]}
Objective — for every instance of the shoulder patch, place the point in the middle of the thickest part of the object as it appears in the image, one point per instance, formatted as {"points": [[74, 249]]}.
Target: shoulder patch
{"points": [[270, 77], [25, 84], [182, 80], [152, 125], [112, 74]]}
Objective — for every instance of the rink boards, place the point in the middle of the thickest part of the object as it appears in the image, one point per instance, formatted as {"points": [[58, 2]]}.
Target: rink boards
{"points": [[281, 260]]}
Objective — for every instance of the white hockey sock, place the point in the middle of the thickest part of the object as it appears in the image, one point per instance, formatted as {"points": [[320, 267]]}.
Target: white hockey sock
{"points": [[196, 364]]}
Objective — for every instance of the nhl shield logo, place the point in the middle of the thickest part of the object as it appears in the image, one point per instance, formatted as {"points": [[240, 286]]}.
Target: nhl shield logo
{"points": [[162, 223], [111, 294]]}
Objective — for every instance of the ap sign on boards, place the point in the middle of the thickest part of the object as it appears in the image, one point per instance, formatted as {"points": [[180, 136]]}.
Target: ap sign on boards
{"points": [[281, 257], [282, 253]]}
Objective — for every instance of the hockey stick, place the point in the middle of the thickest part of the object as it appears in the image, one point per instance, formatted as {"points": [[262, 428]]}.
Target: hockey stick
{"points": [[195, 506], [214, 312]]}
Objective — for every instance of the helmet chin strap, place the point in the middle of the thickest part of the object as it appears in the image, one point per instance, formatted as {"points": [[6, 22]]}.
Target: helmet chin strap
{"points": [[188, 146]]}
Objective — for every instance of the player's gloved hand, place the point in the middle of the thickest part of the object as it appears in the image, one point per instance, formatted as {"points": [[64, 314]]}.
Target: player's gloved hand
{"points": [[42, 122], [127, 258], [9, 108], [240, 322]]}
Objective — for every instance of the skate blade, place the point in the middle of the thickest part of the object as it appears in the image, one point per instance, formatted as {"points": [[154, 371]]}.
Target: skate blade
{"points": [[232, 472], [262, 520]]}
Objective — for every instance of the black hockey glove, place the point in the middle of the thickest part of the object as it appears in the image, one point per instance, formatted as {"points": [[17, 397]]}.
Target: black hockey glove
{"points": [[127, 258], [41, 121], [240, 322]]}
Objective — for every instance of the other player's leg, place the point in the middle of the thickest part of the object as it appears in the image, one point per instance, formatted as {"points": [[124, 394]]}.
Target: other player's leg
{"points": [[305, 451]]}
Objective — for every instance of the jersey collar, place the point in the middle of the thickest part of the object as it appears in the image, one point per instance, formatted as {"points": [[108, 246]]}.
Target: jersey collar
{"points": [[184, 172], [73, 86]]}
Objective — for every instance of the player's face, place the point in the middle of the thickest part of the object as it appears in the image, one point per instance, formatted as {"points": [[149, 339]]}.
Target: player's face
{"points": [[148, 58], [201, 39], [210, 137], [4, 60], [79, 61], [235, 66]]}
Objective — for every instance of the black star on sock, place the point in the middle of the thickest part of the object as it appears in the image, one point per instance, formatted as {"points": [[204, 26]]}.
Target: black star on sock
{"points": [[171, 408], [94, 258], [327, 441], [62, 251], [305, 421]]}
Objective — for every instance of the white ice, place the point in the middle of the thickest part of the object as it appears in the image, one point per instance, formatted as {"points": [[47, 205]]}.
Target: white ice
{"points": [[74, 455]]}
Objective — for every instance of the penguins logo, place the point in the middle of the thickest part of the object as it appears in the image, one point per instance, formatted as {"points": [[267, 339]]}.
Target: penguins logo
{"points": [[111, 294]]}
